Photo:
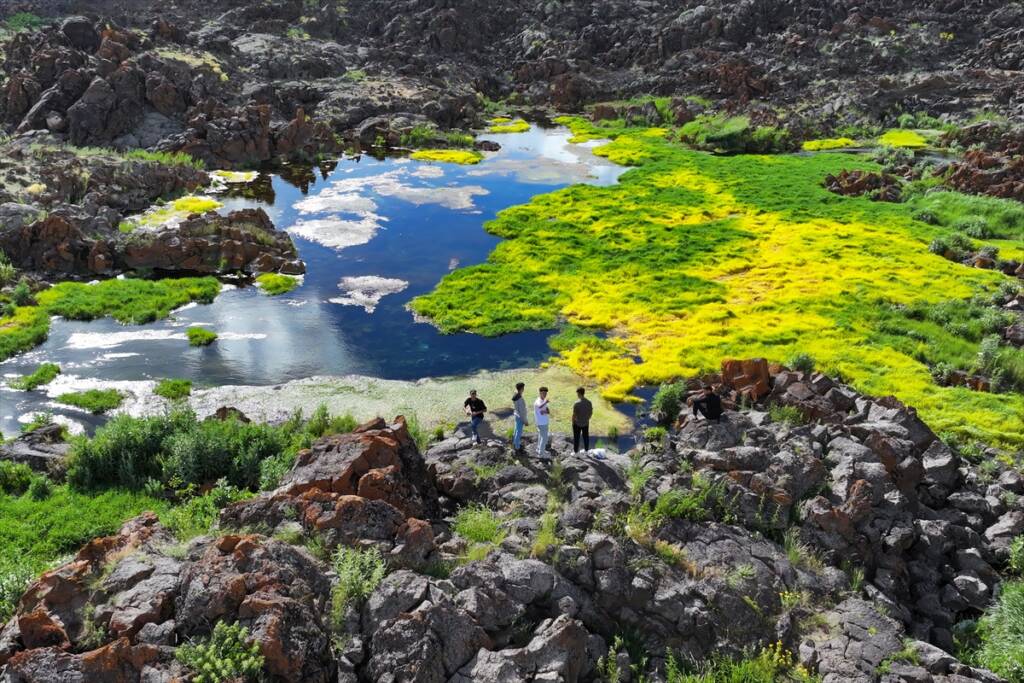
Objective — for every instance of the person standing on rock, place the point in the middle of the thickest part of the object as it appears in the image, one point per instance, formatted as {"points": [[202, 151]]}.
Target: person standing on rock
{"points": [[582, 411], [519, 411], [542, 417], [475, 408], [708, 404]]}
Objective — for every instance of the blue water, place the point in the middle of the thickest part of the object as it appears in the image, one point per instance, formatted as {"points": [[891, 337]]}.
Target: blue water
{"points": [[430, 220]]}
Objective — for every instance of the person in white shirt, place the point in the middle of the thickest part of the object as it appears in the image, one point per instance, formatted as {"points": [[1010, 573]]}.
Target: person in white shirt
{"points": [[542, 417]]}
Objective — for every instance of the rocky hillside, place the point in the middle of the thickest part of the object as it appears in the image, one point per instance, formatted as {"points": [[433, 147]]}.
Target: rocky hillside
{"points": [[833, 534]]}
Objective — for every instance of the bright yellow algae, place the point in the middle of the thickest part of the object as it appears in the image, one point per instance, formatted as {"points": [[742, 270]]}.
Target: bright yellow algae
{"points": [[694, 258]]}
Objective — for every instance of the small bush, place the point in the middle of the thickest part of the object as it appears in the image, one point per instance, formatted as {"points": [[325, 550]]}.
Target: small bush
{"points": [[479, 524], [15, 477], [786, 415], [359, 573], [7, 271], [14, 579], [42, 375], [975, 227], [96, 401], [227, 655], [801, 362], [668, 402], [21, 295], [40, 488], [24, 21], [200, 336], [655, 435], [196, 516], [173, 389], [699, 503], [1016, 563], [774, 663]]}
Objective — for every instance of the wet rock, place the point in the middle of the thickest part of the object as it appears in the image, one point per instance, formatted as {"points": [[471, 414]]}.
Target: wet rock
{"points": [[43, 449]]}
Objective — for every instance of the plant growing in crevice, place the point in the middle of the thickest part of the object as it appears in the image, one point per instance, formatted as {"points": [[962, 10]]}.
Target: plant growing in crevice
{"points": [[359, 573], [227, 655]]}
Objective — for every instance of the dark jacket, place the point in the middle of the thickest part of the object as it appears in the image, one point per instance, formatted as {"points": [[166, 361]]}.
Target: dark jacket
{"points": [[582, 411]]}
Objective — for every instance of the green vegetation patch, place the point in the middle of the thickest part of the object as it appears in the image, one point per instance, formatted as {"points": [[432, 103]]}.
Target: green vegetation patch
{"points": [[200, 336], [721, 133], [42, 375], [505, 125], [899, 137], [827, 144], [359, 573], [749, 251], [274, 284], [130, 301], [449, 156], [1001, 632], [177, 210], [96, 401], [229, 654], [173, 389], [35, 533]]}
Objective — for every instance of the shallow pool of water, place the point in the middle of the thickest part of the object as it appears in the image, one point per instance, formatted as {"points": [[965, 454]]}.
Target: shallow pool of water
{"points": [[374, 234]]}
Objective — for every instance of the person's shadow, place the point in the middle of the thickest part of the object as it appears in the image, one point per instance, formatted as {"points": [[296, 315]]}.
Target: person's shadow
{"points": [[486, 429]]}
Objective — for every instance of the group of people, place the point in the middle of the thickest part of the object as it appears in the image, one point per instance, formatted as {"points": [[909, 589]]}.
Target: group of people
{"points": [[582, 411], [706, 403]]}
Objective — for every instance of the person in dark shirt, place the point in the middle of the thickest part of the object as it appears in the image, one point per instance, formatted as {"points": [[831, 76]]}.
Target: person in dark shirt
{"points": [[582, 411], [708, 404], [475, 408]]}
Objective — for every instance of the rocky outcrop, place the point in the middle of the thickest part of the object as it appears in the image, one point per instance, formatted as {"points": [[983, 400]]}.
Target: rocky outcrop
{"points": [[43, 449], [849, 538], [881, 187], [242, 241]]}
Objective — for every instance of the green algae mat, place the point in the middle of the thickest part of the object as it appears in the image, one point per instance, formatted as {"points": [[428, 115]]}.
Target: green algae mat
{"points": [[693, 258]]}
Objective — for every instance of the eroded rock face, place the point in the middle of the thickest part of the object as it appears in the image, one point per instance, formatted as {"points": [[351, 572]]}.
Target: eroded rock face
{"points": [[244, 240], [778, 515]]}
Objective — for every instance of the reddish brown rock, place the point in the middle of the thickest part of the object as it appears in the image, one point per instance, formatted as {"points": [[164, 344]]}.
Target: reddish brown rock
{"points": [[749, 378]]}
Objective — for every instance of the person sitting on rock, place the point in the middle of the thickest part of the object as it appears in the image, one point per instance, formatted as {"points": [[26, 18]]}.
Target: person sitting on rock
{"points": [[475, 408], [707, 404]]}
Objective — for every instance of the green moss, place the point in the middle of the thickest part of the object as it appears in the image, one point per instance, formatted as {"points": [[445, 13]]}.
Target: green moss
{"points": [[721, 133], [165, 158], [96, 401], [507, 126], [450, 156], [42, 375], [130, 301], [274, 284], [173, 389], [177, 210], [898, 137], [196, 60], [200, 336], [748, 251], [827, 144]]}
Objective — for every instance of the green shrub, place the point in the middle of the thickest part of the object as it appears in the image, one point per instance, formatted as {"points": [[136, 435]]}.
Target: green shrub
{"points": [[166, 158], [1016, 563], [177, 450], [7, 271], [21, 295], [14, 579], [173, 389], [200, 336], [772, 665], [786, 415], [1001, 633], [668, 402], [359, 573], [227, 655], [196, 515], [24, 21], [479, 524], [44, 374], [96, 401], [40, 420], [655, 435], [801, 362], [701, 502], [15, 477], [40, 488]]}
